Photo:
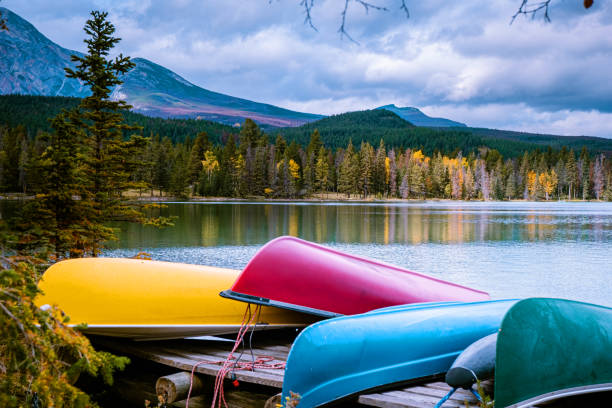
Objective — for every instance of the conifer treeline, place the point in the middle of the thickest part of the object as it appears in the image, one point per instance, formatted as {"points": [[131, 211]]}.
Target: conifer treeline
{"points": [[250, 164]]}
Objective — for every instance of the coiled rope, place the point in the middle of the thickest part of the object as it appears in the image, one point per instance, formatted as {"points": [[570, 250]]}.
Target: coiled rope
{"points": [[232, 363]]}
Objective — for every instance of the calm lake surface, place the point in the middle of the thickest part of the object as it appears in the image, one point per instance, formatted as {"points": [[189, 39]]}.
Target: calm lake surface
{"points": [[510, 249]]}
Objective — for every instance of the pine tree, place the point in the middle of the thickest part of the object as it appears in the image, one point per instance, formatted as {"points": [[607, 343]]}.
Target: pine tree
{"points": [[346, 176], [309, 173], [12, 147], [272, 173], [105, 152], [247, 175], [379, 171], [280, 145], [572, 175], [392, 173], [22, 166], [249, 135], [366, 159], [499, 189], [238, 180], [260, 170], [180, 177], [522, 176], [315, 144], [55, 223], [196, 155], [226, 168], [584, 173], [162, 166], [561, 174], [417, 180], [322, 170], [510, 192], [440, 177]]}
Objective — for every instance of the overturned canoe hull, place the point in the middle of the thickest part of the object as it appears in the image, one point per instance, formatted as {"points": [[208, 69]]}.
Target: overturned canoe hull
{"points": [[144, 299], [299, 275], [475, 363], [340, 357], [552, 348]]}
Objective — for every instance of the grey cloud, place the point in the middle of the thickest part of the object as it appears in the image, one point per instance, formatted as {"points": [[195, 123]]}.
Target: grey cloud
{"points": [[448, 54]]}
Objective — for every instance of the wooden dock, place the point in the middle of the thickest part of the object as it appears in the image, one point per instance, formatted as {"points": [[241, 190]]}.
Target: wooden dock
{"points": [[261, 385]]}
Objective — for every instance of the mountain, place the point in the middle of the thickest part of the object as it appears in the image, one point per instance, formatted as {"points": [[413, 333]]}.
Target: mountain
{"points": [[418, 118], [373, 125], [34, 65], [31, 63], [363, 126]]}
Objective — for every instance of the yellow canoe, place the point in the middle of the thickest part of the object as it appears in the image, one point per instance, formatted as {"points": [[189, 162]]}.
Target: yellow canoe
{"points": [[144, 299]]}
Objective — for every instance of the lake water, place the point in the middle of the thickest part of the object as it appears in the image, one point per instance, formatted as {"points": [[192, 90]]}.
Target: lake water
{"points": [[510, 249]]}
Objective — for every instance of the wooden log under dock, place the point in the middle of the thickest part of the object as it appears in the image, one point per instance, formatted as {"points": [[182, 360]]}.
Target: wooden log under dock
{"points": [[175, 387], [263, 384]]}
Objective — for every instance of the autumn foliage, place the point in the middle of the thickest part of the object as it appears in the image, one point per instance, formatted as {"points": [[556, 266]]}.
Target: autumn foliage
{"points": [[40, 356]]}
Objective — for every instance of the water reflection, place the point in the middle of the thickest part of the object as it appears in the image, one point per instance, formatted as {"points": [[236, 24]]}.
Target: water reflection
{"points": [[223, 224]]}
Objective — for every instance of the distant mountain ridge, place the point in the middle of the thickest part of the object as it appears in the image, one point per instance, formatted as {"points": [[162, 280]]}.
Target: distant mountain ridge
{"points": [[418, 118], [375, 125], [35, 66], [370, 126]]}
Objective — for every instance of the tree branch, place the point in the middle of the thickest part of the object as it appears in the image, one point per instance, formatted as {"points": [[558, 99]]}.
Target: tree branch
{"points": [[531, 9], [342, 29], [404, 7], [308, 4]]}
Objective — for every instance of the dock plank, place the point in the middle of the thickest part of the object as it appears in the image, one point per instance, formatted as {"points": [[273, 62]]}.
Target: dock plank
{"points": [[418, 396], [185, 354], [404, 400], [175, 357]]}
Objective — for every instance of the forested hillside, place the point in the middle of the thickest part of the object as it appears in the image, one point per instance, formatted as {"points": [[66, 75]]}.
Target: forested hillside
{"points": [[373, 125], [369, 153], [364, 126], [33, 113]]}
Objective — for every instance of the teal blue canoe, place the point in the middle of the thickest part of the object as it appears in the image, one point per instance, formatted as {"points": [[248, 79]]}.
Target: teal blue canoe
{"points": [[343, 356], [552, 348]]}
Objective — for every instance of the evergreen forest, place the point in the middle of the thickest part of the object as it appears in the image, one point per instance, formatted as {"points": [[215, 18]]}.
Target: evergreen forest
{"points": [[359, 154]]}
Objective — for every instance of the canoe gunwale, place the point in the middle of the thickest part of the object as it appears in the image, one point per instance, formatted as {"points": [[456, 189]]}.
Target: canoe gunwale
{"points": [[567, 392], [151, 332], [258, 300]]}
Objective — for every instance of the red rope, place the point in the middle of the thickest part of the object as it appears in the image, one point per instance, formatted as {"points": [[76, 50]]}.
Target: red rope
{"points": [[230, 364]]}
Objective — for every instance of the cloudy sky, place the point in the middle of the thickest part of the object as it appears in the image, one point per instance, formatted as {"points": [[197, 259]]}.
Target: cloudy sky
{"points": [[457, 59]]}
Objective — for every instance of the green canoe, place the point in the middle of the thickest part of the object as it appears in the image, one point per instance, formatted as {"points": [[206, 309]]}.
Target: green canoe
{"points": [[552, 348]]}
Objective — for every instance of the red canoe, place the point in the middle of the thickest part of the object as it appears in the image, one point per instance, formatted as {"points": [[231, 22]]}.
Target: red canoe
{"points": [[295, 274]]}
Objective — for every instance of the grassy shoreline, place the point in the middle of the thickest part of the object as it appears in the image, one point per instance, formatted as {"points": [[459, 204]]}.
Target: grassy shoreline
{"points": [[316, 198]]}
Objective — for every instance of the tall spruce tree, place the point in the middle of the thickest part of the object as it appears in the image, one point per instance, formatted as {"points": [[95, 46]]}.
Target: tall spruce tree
{"points": [[56, 223], [200, 146], [322, 170], [107, 157]]}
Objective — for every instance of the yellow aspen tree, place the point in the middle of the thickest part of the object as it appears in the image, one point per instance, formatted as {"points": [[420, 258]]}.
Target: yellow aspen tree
{"points": [[210, 163], [294, 170], [548, 181], [418, 156], [532, 181], [387, 170]]}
